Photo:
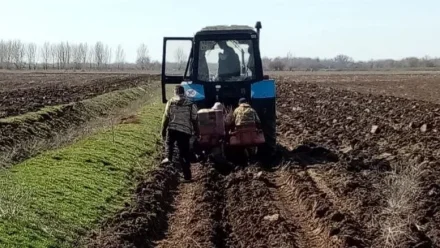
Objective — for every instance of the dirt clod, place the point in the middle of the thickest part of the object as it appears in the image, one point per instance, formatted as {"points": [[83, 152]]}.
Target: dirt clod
{"points": [[274, 217]]}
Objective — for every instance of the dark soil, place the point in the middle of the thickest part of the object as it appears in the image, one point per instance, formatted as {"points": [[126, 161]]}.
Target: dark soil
{"points": [[339, 149], [26, 92], [344, 122], [414, 85], [143, 221]]}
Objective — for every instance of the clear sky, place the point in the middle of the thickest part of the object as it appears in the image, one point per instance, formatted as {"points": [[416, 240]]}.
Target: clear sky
{"points": [[362, 29]]}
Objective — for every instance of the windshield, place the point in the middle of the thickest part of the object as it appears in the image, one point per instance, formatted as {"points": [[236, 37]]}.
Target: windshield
{"points": [[226, 61]]}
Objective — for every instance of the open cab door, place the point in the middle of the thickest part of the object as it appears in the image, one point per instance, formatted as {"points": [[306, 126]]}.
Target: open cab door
{"points": [[176, 61]]}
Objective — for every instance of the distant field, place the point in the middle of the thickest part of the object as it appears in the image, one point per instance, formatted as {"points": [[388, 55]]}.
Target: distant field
{"points": [[24, 92], [412, 85]]}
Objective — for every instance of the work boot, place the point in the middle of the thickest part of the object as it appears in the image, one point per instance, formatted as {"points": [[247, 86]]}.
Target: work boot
{"points": [[165, 161], [187, 179], [186, 171]]}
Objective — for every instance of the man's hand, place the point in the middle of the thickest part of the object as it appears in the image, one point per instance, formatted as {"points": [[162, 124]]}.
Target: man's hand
{"points": [[197, 133], [196, 128], [258, 126], [165, 121], [164, 134]]}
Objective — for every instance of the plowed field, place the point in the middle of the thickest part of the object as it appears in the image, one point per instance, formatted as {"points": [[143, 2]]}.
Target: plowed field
{"points": [[357, 170], [26, 92], [411, 85]]}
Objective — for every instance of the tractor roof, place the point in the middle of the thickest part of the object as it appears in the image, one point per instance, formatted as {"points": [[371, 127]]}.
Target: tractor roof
{"points": [[227, 29]]}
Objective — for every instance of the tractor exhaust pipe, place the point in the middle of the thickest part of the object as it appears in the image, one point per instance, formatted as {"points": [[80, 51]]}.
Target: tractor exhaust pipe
{"points": [[258, 27]]}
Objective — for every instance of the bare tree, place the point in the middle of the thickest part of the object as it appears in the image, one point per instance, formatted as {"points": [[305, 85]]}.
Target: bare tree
{"points": [[342, 61], [76, 56], [53, 54], [91, 57], [99, 54], [60, 53], [18, 53], [427, 62], [9, 54], [31, 53], [63, 55], [21, 54], [67, 55], [180, 57], [107, 56], [277, 64], [120, 57], [290, 61], [3, 50], [83, 49], [411, 62], [45, 54], [143, 58]]}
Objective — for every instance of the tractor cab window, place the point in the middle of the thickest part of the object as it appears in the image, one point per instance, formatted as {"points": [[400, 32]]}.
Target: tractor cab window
{"points": [[226, 61]]}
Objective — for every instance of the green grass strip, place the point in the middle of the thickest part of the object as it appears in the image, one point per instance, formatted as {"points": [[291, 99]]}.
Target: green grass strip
{"points": [[54, 198], [91, 107]]}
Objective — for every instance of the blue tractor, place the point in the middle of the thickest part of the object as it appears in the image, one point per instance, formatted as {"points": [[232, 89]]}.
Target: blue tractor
{"points": [[223, 64]]}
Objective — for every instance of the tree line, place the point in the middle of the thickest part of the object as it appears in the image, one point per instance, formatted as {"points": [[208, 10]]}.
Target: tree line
{"points": [[344, 62], [18, 55]]}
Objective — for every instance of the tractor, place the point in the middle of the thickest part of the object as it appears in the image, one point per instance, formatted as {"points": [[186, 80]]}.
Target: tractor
{"points": [[209, 74]]}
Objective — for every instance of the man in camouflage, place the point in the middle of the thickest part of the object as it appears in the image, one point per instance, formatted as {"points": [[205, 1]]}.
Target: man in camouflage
{"points": [[245, 114], [178, 124]]}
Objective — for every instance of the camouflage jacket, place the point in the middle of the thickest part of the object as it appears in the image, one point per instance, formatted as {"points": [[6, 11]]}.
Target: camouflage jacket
{"points": [[180, 114], [245, 114]]}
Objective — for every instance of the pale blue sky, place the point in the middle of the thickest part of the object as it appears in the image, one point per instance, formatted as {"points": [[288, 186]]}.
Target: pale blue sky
{"points": [[363, 29]]}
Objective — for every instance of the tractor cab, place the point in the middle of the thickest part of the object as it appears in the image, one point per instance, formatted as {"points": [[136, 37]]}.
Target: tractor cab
{"points": [[221, 64]]}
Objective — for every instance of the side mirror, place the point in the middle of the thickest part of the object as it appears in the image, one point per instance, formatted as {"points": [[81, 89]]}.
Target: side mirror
{"points": [[266, 77]]}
